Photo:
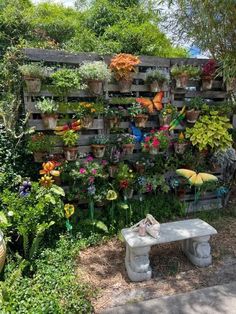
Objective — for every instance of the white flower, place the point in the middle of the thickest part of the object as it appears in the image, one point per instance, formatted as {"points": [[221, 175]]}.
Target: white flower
{"points": [[10, 213]]}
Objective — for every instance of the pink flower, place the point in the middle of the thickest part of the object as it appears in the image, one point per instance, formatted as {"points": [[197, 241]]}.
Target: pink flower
{"points": [[89, 159], [104, 162], [91, 180], [82, 170], [94, 171], [164, 128], [152, 131], [155, 142], [147, 138]]}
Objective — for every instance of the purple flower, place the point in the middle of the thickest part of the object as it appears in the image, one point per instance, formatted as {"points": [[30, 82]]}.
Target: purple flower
{"points": [[91, 190], [82, 170], [89, 159], [91, 180], [94, 171], [149, 187], [104, 162], [25, 188]]}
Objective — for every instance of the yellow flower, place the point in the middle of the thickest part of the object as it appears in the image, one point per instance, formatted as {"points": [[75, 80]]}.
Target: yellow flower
{"points": [[169, 110], [93, 110], [69, 210], [111, 195], [46, 181], [181, 136]]}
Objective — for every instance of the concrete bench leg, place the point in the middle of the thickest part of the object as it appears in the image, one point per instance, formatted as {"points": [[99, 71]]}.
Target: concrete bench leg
{"points": [[198, 251], [137, 263]]}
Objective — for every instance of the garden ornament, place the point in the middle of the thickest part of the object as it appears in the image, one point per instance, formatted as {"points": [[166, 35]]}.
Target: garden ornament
{"points": [[156, 103], [152, 226]]}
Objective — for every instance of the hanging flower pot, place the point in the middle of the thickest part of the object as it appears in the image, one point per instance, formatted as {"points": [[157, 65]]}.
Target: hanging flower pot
{"points": [[182, 81], [113, 122], [192, 115], [87, 122], [140, 167], [231, 85], [50, 121], [98, 150], [39, 156], [95, 86], [112, 169], [141, 120], [207, 82], [180, 148], [125, 85], [155, 87], [33, 84], [165, 120], [2, 251], [128, 149], [70, 153]]}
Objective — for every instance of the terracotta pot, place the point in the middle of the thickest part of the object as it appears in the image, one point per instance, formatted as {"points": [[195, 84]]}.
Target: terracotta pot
{"points": [[95, 86], [125, 85], [128, 149], [113, 122], [192, 115], [182, 81], [33, 84], [57, 180], [98, 150], [70, 153], [87, 122], [39, 156], [140, 168], [141, 120], [112, 169], [154, 150], [155, 87], [50, 121], [2, 251], [180, 148], [165, 120], [128, 193], [207, 83], [231, 85]]}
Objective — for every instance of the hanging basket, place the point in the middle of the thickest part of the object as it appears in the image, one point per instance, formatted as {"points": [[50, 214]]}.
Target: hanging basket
{"points": [[49, 121], [113, 122], [141, 120], [33, 84], [207, 83], [155, 87], [95, 87], [70, 153], [182, 81], [128, 149], [192, 115], [87, 122], [98, 150], [2, 251], [125, 85], [165, 120]]}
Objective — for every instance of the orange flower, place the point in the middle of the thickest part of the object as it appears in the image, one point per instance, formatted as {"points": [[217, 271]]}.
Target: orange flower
{"points": [[48, 169], [46, 181]]}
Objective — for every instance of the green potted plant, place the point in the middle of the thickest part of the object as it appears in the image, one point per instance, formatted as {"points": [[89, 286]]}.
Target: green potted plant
{"points": [[155, 141], [32, 74], [124, 66], [95, 74], [167, 114], [40, 144], [182, 74], [127, 142], [85, 111], [139, 114], [70, 140], [98, 146], [48, 107], [181, 144], [210, 132], [113, 115], [156, 79], [194, 109], [207, 75], [227, 69], [65, 80]]}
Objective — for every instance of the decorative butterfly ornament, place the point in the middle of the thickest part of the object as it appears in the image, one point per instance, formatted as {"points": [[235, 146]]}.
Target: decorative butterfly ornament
{"points": [[151, 105], [196, 179]]}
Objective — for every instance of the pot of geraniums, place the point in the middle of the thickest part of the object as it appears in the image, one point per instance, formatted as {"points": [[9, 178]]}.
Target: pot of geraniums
{"points": [[210, 133], [127, 142], [182, 74], [125, 179], [70, 140], [194, 109], [156, 79], [181, 145], [40, 144], [124, 66], [98, 146], [113, 115], [48, 107], [95, 74], [167, 114], [155, 142], [139, 114], [207, 75], [33, 73]]}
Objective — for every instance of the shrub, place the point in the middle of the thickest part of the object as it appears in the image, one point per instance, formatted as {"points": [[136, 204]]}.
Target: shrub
{"points": [[34, 70], [47, 106], [96, 70], [156, 75]]}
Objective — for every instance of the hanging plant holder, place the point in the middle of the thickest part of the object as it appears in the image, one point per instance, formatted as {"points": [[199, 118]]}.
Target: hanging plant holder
{"points": [[95, 87], [141, 120], [207, 83], [87, 122], [192, 115], [113, 122], [98, 150], [182, 81], [50, 121], [71, 153], [33, 84], [128, 149]]}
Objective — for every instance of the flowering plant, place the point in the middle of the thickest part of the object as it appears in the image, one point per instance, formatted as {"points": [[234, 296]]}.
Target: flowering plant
{"points": [[125, 176], [169, 109], [95, 70], [40, 142], [181, 138], [137, 109], [208, 69], [126, 138], [110, 112], [88, 109], [100, 139], [156, 140], [123, 65], [49, 168]]}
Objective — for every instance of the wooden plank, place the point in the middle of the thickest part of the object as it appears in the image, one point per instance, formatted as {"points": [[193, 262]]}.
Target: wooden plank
{"points": [[148, 61], [134, 88], [204, 205], [203, 94], [192, 61]]}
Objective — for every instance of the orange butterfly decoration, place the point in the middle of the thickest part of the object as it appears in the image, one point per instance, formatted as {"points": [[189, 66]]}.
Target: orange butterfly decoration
{"points": [[151, 105]]}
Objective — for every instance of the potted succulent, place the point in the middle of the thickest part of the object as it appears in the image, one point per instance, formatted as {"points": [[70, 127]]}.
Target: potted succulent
{"points": [[40, 144], [207, 75], [167, 114], [210, 132], [113, 115], [99, 145], [48, 107], [181, 144], [155, 141], [124, 66], [128, 143], [156, 79], [95, 74], [182, 74], [139, 114], [194, 109], [85, 111], [70, 140], [32, 74]]}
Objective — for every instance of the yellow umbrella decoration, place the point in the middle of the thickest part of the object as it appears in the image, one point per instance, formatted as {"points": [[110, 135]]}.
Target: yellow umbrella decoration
{"points": [[196, 179]]}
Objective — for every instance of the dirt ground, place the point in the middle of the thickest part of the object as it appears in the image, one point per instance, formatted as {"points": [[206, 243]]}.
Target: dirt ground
{"points": [[103, 267]]}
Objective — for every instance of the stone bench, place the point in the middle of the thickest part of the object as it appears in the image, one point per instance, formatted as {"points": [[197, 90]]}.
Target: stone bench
{"points": [[194, 234]]}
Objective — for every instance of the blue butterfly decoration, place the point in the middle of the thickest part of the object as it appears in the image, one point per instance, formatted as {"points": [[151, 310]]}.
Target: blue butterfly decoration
{"points": [[136, 132]]}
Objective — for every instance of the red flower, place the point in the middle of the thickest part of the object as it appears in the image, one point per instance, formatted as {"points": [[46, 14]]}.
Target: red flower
{"points": [[124, 184], [155, 142], [147, 138]]}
